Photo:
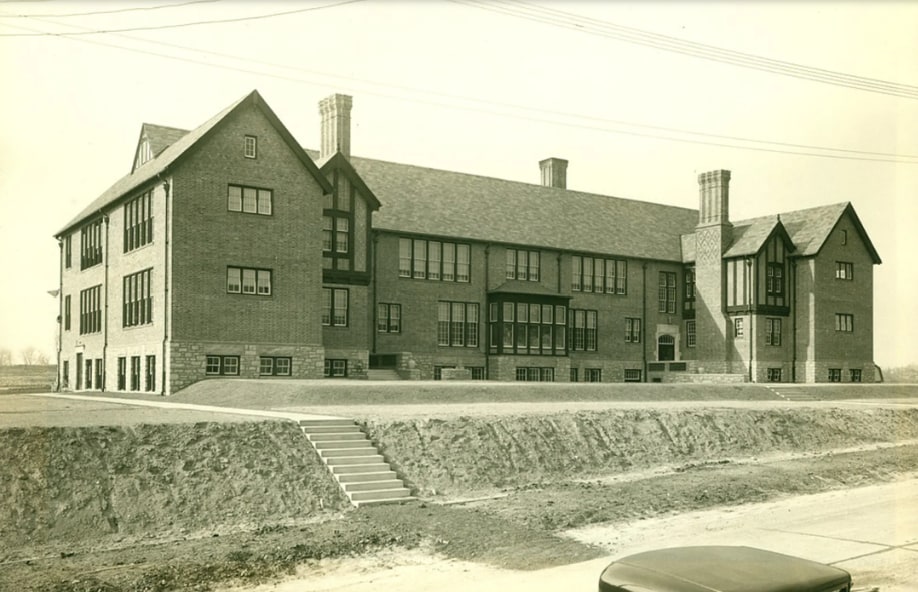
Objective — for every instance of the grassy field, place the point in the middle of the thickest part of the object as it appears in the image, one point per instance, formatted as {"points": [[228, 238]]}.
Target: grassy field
{"points": [[27, 379]]}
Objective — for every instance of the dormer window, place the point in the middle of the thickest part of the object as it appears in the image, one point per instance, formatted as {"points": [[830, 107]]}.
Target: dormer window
{"points": [[251, 147], [144, 153]]}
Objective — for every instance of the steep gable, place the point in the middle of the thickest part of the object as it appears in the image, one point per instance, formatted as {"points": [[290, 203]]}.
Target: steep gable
{"points": [[153, 140]]}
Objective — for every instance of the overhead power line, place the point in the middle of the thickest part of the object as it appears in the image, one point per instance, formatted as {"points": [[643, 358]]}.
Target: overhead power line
{"points": [[118, 10], [180, 25], [506, 109], [592, 26]]}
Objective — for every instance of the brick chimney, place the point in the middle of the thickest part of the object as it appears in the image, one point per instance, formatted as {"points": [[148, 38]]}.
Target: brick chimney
{"points": [[554, 172], [714, 206], [336, 125]]}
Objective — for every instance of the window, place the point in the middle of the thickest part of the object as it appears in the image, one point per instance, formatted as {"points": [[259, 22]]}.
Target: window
{"points": [[137, 303], [438, 371], [249, 200], [632, 330], [774, 375], [834, 374], [65, 375], [122, 373], [592, 375], [574, 375], [251, 146], [688, 304], [274, 366], [667, 292], [249, 281], [388, 318], [335, 368], [632, 375], [88, 374], [844, 322], [528, 328], [582, 327], [335, 307], [774, 280], [67, 312], [336, 235], [91, 310], [478, 372], [222, 365], [523, 265], [135, 373], [531, 374], [100, 374], [772, 331], [150, 381], [690, 334], [589, 274], [138, 221], [91, 244], [457, 324], [434, 260], [738, 327], [844, 237], [68, 251], [844, 270], [855, 374]]}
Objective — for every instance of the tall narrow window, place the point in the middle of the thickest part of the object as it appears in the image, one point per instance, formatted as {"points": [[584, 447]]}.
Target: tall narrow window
{"points": [[138, 221], [122, 373], [91, 310], [632, 330], [335, 307], [621, 277], [690, 333], [388, 318], [404, 257], [420, 259], [449, 262], [599, 272], [250, 148], [91, 244], [511, 264], [689, 301], [68, 251], [328, 230], [582, 325], [772, 331], [67, 312], [774, 281], [433, 260], [667, 292], [462, 263], [739, 329], [150, 382], [135, 373], [576, 274], [587, 274]]}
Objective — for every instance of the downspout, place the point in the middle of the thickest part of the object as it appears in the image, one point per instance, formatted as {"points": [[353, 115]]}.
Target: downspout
{"points": [[752, 297], [60, 313], [487, 308], [644, 320], [793, 371], [167, 305], [105, 318], [374, 261]]}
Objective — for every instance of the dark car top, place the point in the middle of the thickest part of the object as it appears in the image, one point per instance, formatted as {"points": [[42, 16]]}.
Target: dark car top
{"points": [[720, 569]]}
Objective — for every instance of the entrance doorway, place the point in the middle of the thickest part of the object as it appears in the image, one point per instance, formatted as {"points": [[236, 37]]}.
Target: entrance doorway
{"points": [[666, 348]]}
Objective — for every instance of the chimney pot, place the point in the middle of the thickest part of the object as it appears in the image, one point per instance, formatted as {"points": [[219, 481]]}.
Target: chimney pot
{"points": [[554, 172]]}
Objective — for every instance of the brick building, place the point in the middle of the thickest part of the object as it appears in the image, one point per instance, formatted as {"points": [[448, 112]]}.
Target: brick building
{"points": [[230, 251]]}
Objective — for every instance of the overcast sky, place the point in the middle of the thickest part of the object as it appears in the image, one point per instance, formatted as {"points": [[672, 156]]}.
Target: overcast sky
{"points": [[489, 89]]}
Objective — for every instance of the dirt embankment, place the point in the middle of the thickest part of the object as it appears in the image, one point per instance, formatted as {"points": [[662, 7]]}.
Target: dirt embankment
{"points": [[465, 455], [111, 484]]}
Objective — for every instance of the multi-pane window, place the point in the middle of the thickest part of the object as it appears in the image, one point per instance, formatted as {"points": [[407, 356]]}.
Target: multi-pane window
{"points": [[523, 265], [91, 310], [592, 375], [739, 327], [591, 274], [122, 373], [688, 303], [774, 279], [137, 301], [844, 270], [844, 322], [388, 318], [68, 251], [67, 312], [150, 381], [632, 375], [834, 374], [582, 327], [667, 292], [434, 260], [690, 338], [774, 375], [336, 234], [222, 365], [247, 280], [250, 148], [335, 368], [478, 372], [274, 366], [457, 324], [855, 374], [250, 200], [334, 307], [535, 374], [135, 373], [632, 330], [574, 377], [91, 244], [772, 331], [138, 221]]}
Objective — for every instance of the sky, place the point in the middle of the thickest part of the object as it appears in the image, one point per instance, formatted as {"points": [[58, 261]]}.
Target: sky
{"points": [[806, 103]]}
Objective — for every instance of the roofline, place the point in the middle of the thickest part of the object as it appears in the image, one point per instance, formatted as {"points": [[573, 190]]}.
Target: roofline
{"points": [[849, 209], [339, 160]]}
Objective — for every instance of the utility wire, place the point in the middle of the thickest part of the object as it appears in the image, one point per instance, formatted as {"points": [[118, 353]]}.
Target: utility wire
{"points": [[179, 25], [70, 14], [484, 108], [698, 50]]}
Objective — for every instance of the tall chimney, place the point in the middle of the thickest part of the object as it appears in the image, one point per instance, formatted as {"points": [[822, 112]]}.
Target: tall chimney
{"points": [[336, 125], [554, 172], [714, 207]]}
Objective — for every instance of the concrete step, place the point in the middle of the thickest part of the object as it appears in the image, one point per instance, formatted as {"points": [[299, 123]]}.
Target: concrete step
{"points": [[373, 485], [326, 422], [382, 475], [337, 436], [379, 374], [349, 452], [337, 461], [340, 444], [385, 500], [361, 468], [395, 492], [321, 431]]}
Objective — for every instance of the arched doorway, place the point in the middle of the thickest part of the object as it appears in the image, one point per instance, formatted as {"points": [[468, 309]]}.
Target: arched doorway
{"points": [[666, 348]]}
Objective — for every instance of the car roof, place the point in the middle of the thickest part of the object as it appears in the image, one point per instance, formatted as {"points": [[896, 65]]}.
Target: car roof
{"points": [[722, 569]]}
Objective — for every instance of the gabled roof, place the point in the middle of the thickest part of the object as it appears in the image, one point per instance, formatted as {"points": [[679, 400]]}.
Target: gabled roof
{"points": [[173, 153], [749, 239], [159, 138], [339, 162], [421, 200]]}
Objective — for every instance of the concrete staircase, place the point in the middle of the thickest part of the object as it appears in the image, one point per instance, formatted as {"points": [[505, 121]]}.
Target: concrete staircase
{"points": [[382, 374], [363, 474]]}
